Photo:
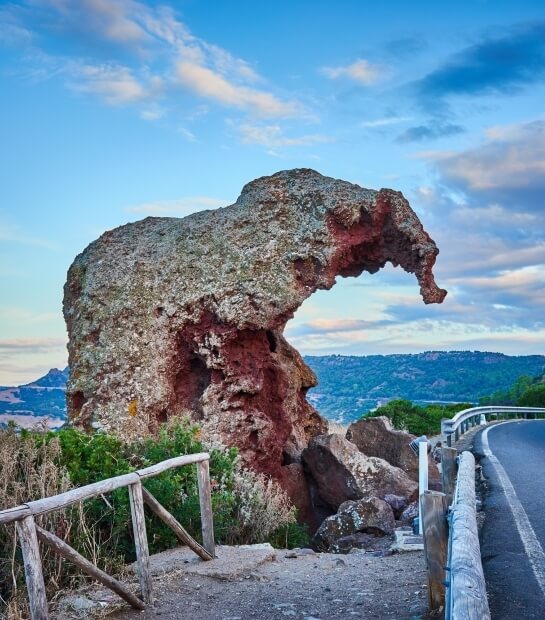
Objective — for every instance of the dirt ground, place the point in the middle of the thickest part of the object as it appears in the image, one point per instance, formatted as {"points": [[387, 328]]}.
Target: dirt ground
{"points": [[275, 584]]}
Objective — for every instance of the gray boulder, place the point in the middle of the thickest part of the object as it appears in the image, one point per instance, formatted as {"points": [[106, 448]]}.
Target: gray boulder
{"points": [[377, 437], [343, 473], [371, 515]]}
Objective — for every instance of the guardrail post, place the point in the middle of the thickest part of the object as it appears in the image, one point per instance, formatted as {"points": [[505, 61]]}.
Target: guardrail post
{"points": [[205, 499], [434, 514], [422, 478], [449, 468], [140, 539], [26, 529]]}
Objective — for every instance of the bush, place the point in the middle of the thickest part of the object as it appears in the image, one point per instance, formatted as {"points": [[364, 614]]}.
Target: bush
{"points": [[534, 396], [248, 507], [415, 419]]}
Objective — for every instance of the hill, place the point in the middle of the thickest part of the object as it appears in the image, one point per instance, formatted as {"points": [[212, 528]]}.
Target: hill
{"points": [[351, 385], [28, 404]]}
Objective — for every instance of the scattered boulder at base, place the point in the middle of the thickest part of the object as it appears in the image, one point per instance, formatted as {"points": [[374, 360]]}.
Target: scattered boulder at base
{"points": [[341, 472], [375, 436], [370, 515], [185, 317], [409, 513]]}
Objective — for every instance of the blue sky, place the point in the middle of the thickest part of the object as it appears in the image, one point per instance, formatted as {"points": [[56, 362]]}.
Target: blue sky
{"points": [[112, 110]]}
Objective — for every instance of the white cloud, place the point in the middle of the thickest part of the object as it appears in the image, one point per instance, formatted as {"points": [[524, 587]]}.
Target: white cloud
{"points": [[20, 346], [116, 85], [513, 158], [180, 207], [385, 122], [187, 134], [212, 85], [154, 41], [361, 71], [273, 136]]}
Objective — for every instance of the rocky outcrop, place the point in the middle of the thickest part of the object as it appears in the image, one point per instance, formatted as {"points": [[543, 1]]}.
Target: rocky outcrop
{"points": [[169, 317], [377, 437], [370, 515], [343, 473]]}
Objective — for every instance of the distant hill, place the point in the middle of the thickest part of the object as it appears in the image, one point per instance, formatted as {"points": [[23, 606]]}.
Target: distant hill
{"points": [[350, 385], [28, 404]]}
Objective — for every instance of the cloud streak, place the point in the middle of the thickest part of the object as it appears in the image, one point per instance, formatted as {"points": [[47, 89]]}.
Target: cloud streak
{"points": [[360, 71], [160, 55]]}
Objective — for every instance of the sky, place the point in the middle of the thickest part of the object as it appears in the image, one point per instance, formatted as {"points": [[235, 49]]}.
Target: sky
{"points": [[113, 110]]}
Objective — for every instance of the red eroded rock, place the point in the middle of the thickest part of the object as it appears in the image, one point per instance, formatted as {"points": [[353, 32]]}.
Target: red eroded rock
{"points": [[169, 317]]}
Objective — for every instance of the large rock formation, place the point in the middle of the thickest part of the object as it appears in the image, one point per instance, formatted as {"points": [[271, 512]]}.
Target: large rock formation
{"points": [[168, 316], [377, 437]]}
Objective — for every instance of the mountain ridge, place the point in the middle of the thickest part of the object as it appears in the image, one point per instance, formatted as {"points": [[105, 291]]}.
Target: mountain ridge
{"points": [[348, 385]]}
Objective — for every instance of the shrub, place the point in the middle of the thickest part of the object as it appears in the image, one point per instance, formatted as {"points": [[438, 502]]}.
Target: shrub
{"points": [[248, 507], [534, 396], [415, 419]]}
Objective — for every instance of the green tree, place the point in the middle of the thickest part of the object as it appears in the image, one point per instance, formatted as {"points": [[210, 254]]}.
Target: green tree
{"points": [[534, 396]]}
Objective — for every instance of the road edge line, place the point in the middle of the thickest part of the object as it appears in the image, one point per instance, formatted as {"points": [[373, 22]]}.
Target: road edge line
{"points": [[531, 544]]}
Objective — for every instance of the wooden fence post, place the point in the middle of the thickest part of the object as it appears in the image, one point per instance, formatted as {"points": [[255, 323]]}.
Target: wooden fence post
{"points": [[434, 514], [205, 500], [449, 468], [26, 529], [140, 539]]}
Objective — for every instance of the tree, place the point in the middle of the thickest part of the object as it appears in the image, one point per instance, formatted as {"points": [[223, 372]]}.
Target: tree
{"points": [[534, 396]]}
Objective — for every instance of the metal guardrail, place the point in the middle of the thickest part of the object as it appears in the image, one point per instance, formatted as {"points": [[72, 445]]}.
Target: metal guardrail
{"points": [[471, 417], [30, 532]]}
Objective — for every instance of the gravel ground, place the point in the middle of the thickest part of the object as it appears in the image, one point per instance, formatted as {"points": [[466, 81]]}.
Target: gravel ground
{"points": [[244, 584], [308, 586]]}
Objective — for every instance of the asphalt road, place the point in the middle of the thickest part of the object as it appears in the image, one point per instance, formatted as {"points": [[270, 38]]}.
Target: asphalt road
{"points": [[513, 534]]}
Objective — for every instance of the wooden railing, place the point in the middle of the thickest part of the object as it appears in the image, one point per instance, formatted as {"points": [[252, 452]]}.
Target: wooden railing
{"points": [[29, 532]]}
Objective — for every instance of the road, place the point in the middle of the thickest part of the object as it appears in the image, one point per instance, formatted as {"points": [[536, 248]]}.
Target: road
{"points": [[513, 534]]}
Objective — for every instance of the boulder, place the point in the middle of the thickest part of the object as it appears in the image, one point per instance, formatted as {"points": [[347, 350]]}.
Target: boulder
{"points": [[377, 437], [371, 515], [397, 503], [175, 317], [341, 472], [409, 513]]}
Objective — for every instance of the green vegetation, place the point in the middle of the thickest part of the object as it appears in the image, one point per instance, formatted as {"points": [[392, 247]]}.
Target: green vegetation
{"points": [[426, 420], [348, 385], [417, 420], [525, 392], [248, 507]]}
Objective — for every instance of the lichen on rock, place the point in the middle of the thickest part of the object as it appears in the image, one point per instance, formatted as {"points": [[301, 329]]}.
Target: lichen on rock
{"points": [[169, 317]]}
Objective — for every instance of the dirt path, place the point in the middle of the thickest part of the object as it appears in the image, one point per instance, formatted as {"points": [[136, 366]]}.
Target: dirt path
{"points": [[267, 584]]}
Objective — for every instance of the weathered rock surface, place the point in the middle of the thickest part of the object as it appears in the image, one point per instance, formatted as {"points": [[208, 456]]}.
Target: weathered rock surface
{"points": [[377, 437], [397, 504], [169, 317], [409, 513], [343, 473], [370, 515]]}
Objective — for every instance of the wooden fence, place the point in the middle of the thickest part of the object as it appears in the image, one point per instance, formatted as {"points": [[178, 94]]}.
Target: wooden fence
{"points": [[456, 582], [29, 532]]}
